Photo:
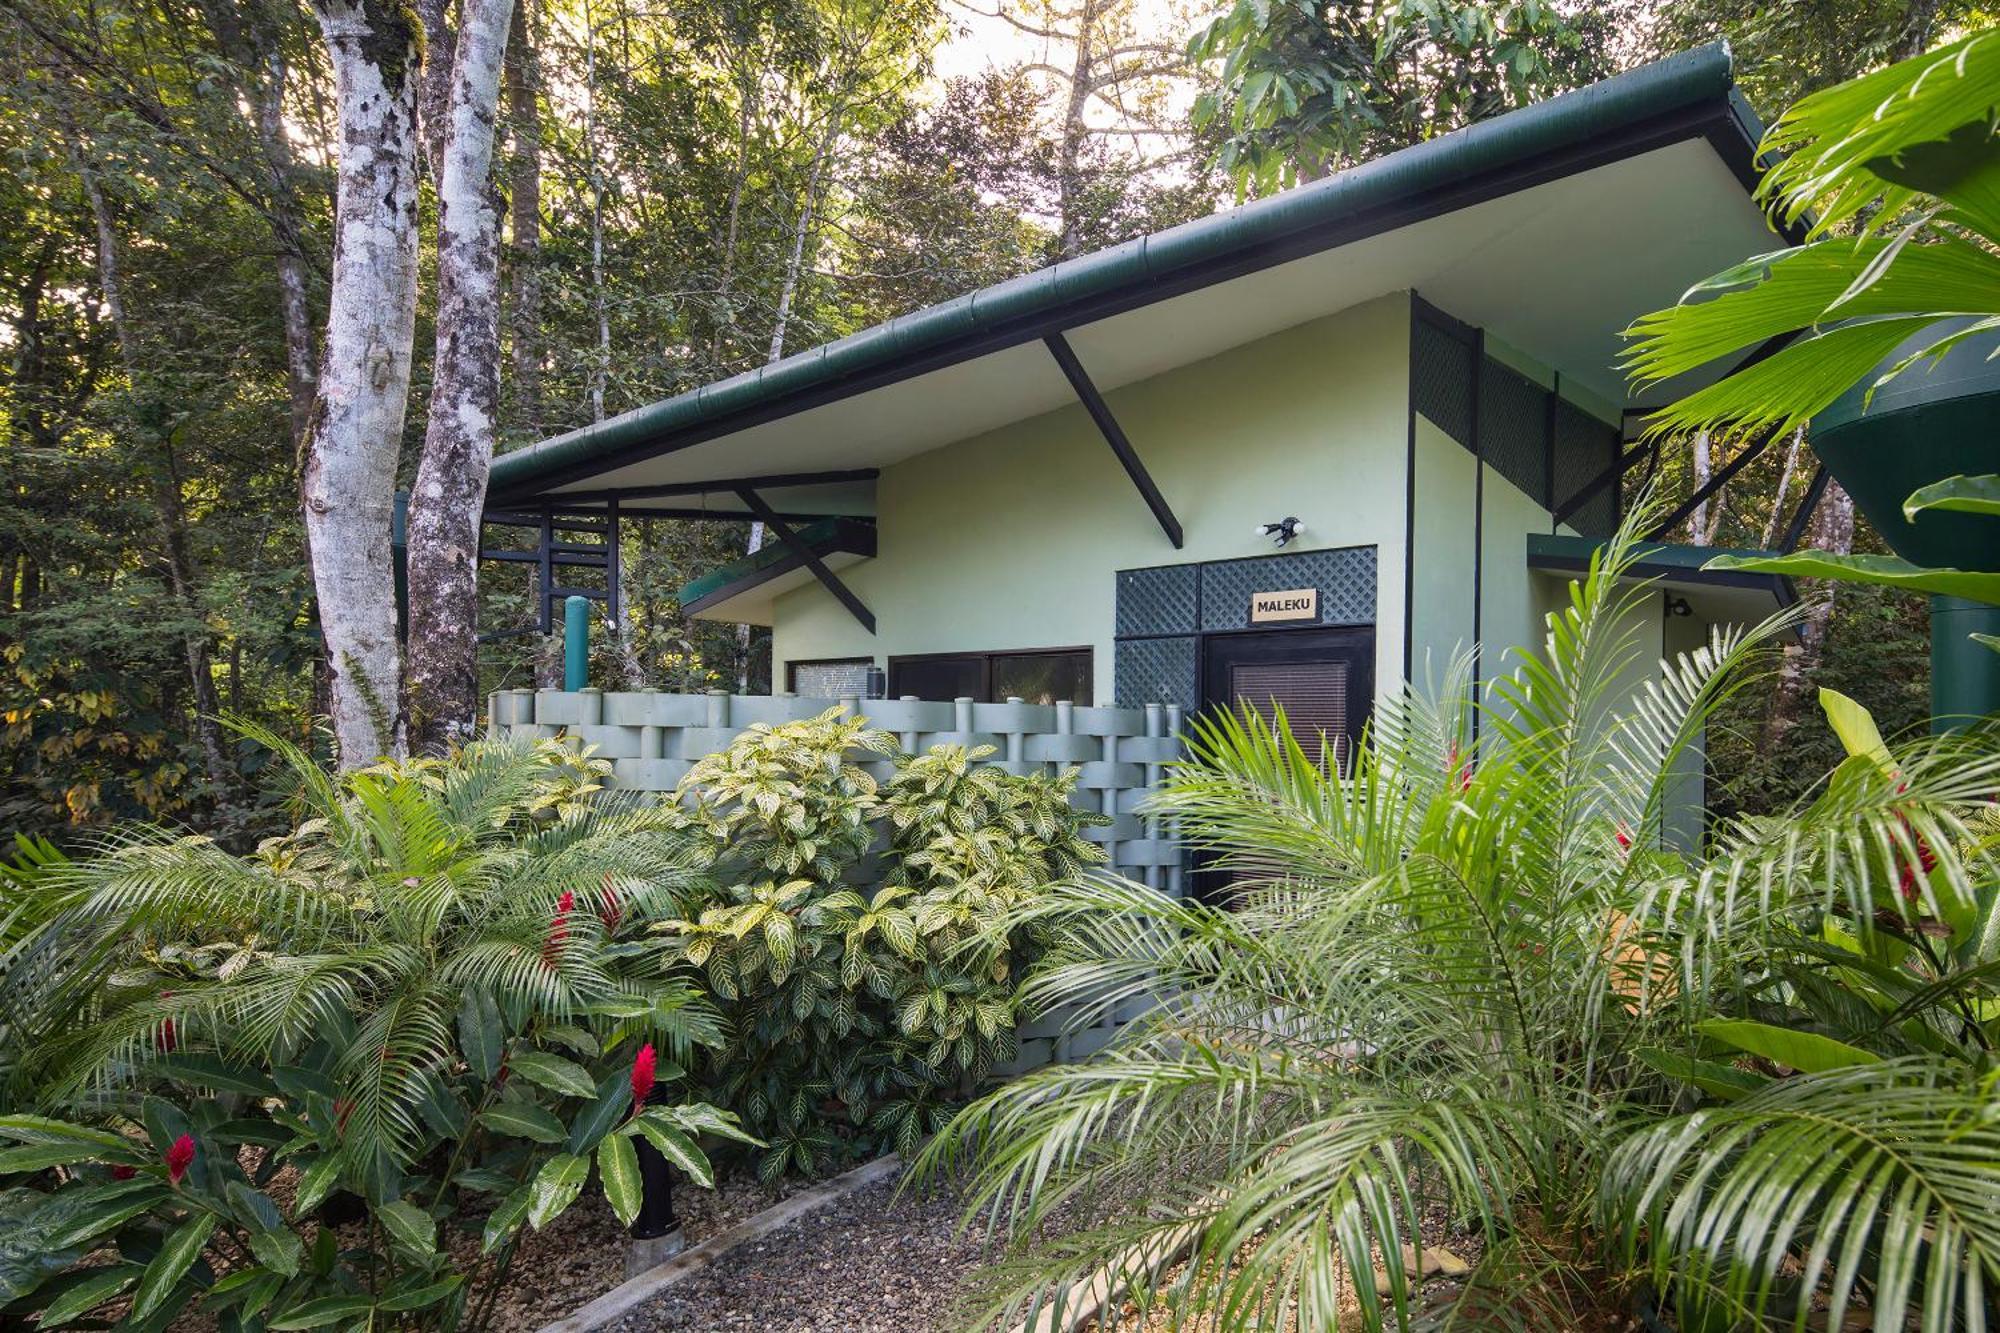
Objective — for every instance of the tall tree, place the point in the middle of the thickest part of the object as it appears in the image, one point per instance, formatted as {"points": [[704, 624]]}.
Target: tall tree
{"points": [[349, 479], [441, 691]]}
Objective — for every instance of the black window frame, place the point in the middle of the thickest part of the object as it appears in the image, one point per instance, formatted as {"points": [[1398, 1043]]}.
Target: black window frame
{"points": [[986, 659]]}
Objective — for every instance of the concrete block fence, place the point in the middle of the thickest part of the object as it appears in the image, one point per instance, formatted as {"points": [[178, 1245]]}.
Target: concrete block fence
{"points": [[653, 738]]}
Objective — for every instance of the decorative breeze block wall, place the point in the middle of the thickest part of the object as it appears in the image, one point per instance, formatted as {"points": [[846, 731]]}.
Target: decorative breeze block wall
{"points": [[652, 739]]}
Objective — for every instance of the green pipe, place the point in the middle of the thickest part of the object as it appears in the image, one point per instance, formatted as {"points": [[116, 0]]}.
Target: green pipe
{"points": [[1965, 674], [576, 642]]}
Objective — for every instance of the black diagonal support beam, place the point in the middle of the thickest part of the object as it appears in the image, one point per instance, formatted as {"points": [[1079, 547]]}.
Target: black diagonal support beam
{"points": [[1114, 435], [842, 593], [1815, 492], [1709, 488]]}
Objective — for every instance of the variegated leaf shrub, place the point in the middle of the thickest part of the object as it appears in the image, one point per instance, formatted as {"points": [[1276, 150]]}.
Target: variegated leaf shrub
{"points": [[853, 933]]}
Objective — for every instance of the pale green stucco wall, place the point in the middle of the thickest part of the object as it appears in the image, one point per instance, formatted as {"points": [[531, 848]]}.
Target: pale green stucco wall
{"points": [[1012, 539], [1442, 590]]}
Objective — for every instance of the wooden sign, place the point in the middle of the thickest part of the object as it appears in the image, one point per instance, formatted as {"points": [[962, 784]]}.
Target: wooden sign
{"points": [[1291, 604]]}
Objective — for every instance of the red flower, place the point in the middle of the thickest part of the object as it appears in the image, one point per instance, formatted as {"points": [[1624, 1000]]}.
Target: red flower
{"points": [[168, 1039], [124, 1172], [180, 1157], [1624, 836], [1460, 773], [1925, 862], [613, 911], [558, 929], [643, 1066]]}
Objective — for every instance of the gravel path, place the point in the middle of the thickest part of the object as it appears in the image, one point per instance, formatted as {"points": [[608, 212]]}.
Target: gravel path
{"points": [[868, 1263]]}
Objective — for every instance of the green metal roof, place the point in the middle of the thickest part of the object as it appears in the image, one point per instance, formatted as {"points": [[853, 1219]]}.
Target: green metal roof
{"points": [[1671, 562], [1684, 94]]}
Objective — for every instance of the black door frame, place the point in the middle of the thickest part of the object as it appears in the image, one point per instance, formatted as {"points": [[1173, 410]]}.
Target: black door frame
{"points": [[1358, 639]]}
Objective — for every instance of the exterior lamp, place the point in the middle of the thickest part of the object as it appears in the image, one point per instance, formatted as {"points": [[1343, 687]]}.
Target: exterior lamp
{"points": [[1281, 532]]}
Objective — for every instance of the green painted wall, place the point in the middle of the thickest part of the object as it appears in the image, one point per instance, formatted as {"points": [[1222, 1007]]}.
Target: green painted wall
{"points": [[1011, 540], [1441, 612]]}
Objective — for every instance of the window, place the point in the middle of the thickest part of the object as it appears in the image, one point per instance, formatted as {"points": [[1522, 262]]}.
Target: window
{"points": [[1045, 676], [832, 678]]}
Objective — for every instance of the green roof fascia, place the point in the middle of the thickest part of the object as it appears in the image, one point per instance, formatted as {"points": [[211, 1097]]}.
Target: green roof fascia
{"points": [[823, 538], [1206, 249]]}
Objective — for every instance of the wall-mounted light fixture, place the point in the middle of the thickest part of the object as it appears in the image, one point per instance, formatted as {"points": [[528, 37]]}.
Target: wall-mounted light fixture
{"points": [[1678, 606], [1281, 532]]}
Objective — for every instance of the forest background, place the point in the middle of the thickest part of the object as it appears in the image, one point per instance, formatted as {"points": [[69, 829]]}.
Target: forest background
{"points": [[685, 190]]}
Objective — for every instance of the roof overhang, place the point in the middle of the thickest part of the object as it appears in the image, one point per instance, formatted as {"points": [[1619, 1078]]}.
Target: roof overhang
{"points": [[1718, 596], [1552, 227], [744, 592]]}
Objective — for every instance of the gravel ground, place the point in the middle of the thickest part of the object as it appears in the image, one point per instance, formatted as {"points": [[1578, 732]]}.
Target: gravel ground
{"points": [[868, 1263]]}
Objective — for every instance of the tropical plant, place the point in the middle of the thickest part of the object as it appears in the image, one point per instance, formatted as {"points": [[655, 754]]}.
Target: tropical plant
{"points": [[863, 988], [429, 992], [1894, 177], [1471, 977]]}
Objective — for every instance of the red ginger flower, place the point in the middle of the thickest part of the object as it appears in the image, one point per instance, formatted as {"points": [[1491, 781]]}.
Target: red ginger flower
{"points": [[1460, 773], [613, 910], [558, 929], [1624, 836], [122, 1172], [168, 1038], [1925, 862], [180, 1157], [643, 1067]]}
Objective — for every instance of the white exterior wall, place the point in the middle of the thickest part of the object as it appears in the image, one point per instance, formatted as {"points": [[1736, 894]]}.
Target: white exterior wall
{"points": [[1011, 540]]}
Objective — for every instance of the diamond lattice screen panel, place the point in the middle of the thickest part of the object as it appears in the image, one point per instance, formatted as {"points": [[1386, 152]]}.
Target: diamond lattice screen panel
{"points": [[1344, 577], [832, 680], [1165, 599], [1157, 671], [1441, 380], [1585, 446], [1514, 429]]}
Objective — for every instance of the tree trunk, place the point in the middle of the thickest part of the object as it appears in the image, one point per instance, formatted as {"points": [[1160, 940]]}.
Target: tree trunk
{"points": [[1699, 527], [524, 248], [1069, 161], [349, 479], [441, 694], [1833, 530], [163, 479], [1784, 487]]}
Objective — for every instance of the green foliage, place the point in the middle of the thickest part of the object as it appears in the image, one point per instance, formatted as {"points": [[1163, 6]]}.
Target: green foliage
{"points": [[1311, 86], [1905, 158], [862, 988], [1469, 977], [431, 994]]}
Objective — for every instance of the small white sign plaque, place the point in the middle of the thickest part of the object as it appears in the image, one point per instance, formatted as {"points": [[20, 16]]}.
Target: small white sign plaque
{"points": [[1290, 604]]}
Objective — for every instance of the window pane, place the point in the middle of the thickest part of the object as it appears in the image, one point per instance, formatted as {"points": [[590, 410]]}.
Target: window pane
{"points": [[1313, 695], [937, 677], [1043, 678], [832, 680]]}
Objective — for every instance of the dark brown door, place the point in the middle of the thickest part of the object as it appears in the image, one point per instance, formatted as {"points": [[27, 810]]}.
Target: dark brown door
{"points": [[1322, 679]]}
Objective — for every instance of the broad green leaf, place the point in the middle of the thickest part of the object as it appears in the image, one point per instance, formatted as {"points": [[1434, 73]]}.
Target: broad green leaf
{"points": [[1886, 571], [108, 1212], [556, 1186], [618, 1165], [1856, 728], [279, 1250], [501, 1222], [523, 1120], [254, 1208], [41, 1129], [553, 1072], [248, 1290], [484, 1179], [1716, 1079], [410, 1226], [300, 1081], [420, 1297], [207, 1071], [171, 1264], [316, 1181], [1963, 495], [593, 1122], [40, 1156], [1807, 1052], [321, 1312], [677, 1148], [88, 1294], [481, 1034]]}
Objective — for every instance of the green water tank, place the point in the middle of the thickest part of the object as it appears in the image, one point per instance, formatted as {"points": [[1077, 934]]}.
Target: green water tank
{"points": [[1930, 422]]}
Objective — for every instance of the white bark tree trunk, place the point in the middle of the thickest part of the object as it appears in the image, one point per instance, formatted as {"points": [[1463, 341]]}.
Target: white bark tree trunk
{"points": [[441, 695], [349, 479]]}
